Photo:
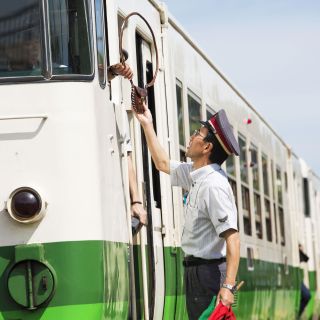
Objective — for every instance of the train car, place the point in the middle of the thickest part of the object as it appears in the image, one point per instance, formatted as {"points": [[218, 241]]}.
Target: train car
{"points": [[66, 247]]}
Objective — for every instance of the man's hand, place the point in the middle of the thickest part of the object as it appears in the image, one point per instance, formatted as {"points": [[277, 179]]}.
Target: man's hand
{"points": [[225, 296], [137, 210], [121, 70], [144, 118]]}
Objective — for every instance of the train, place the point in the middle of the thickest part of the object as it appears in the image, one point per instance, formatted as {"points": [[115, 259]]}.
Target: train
{"points": [[66, 247]]}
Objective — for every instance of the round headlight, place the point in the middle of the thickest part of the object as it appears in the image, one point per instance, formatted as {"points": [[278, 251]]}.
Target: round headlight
{"points": [[25, 205]]}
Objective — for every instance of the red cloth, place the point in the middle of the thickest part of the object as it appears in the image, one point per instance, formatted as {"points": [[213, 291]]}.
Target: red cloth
{"points": [[222, 312]]}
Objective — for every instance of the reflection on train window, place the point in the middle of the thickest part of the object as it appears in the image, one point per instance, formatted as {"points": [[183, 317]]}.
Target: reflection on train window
{"points": [[250, 261], [246, 210], [243, 159], [70, 37], [257, 213], [20, 43], [101, 45], [194, 107], [268, 219], [182, 141]]}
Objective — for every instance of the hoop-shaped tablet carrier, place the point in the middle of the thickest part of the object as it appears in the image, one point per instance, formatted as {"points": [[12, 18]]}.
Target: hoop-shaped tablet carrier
{"points": [[138, 95]]}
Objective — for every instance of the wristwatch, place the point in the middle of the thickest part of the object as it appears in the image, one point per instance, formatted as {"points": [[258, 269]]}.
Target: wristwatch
{"points": [[232, 288]]}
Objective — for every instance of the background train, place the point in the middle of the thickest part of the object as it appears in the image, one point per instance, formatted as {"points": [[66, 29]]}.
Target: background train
{"points": [[66, 248]]}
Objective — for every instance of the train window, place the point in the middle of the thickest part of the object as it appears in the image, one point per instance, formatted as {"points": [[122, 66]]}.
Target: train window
{"points": [[250, 261], [306, 201], [265, 174], [194, 106], [243, 159], [246, 210], [255, 167], [279, 185], [257, 213], [101, 45], [20, 38], [181, 128], [275, 221], [282, 231], [209, 112], [230, 166], [268, 219], [70, 37]]}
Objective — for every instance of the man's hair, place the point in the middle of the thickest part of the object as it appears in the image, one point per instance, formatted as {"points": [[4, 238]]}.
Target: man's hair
{"points": [[217, 155]]}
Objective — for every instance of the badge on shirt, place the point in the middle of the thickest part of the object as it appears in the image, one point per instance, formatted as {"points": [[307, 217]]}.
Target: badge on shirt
{"points": [[223, 219]]}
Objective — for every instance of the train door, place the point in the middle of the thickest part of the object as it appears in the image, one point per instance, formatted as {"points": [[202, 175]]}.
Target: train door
{"points": [[151, 240]]}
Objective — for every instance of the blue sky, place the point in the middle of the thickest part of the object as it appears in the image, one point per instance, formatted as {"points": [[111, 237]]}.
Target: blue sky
{"points": [[270, 50]]}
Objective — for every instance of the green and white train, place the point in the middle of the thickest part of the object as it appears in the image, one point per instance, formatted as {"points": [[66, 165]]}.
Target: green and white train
{"points": [[66, 248]]}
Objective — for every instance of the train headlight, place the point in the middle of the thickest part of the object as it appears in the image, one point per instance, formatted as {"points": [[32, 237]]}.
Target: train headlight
{"points": [[25, 205]]}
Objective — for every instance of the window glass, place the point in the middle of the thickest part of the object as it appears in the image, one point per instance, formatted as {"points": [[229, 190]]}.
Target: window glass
{"points": [[20, 44], [265, 174], [282, 231], [279, 186], [230, 165], [246, 210], [275, 221], [101, 46], [257, 213], [70, 37], [255, 167], [182, 140], [194, 112], [268, 219], [209, 113], [243, 159]]}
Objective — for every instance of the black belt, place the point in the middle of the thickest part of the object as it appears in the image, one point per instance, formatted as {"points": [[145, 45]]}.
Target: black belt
{"points": [[191, 261]]}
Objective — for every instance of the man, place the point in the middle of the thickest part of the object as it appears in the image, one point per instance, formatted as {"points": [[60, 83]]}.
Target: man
{"points": [[137, 209], [210, 239]]}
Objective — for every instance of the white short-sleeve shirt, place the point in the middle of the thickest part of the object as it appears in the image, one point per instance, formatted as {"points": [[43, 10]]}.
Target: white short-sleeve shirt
{"points": [[210, 209]]}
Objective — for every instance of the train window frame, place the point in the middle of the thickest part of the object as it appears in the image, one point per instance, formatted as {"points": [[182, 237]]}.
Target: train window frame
{"points": [[46, 65], [88, 8], [268, 218], [245, 188], [181, 124], [102, 73]]}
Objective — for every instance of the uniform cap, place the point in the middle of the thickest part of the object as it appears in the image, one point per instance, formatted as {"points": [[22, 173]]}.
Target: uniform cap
{"points": [[219, 125]]}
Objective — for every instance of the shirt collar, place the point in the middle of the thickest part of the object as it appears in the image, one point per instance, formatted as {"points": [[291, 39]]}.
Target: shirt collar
{"points": [[202, 172]]}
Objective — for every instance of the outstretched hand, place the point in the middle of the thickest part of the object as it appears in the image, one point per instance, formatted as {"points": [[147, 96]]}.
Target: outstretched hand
{"points": [[144, 118], [122, 70]]}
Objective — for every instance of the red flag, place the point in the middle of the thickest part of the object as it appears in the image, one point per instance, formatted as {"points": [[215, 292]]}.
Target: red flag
{"points": [[222, 312]]}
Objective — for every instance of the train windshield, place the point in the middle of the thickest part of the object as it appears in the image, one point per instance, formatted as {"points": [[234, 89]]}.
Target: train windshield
{"points": [[28, 49]]}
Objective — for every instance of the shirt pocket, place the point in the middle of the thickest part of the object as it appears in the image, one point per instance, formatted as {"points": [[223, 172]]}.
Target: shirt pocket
{"points": [[191, 218]]}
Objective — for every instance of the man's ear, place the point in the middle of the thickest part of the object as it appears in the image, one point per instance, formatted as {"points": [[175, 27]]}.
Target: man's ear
{"points": [[208, 147]]}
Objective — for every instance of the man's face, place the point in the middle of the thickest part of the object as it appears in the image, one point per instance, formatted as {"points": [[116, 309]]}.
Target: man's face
{"points": [[197, 143]]}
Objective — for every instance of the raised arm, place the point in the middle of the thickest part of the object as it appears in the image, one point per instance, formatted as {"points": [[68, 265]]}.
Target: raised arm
{"points": [[159, 156]]}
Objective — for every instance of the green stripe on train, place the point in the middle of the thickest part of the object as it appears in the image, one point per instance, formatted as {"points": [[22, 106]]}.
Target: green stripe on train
{"points": [[92, 281], [268, 288]]}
